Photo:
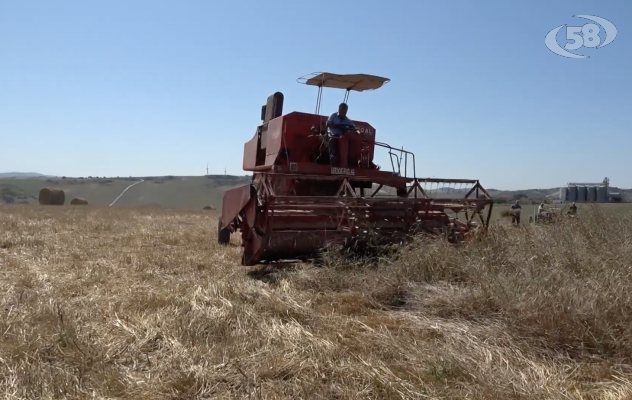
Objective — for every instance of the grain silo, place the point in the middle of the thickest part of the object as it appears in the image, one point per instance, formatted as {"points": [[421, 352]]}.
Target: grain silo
{"points": [[572, 193], [563, 194], [602, 194], [591, 194], [582, 193]]}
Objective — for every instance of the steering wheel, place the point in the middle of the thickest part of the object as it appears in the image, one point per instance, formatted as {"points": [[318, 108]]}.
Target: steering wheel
{"points": [[346, 128]]}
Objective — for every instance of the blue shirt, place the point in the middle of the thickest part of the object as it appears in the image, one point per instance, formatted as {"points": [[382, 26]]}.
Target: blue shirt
{"points": [[337, 119]]}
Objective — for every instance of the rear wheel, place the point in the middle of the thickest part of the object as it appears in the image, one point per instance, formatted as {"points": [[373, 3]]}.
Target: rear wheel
{"points": [[223, 235]]}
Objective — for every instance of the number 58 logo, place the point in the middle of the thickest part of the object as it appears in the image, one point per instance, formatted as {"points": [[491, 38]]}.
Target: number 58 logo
{"points": [[582, 36]]}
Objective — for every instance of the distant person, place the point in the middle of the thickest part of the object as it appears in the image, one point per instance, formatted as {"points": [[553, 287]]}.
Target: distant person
{"points": [[337, 124], [516, 209], [543, 212]]}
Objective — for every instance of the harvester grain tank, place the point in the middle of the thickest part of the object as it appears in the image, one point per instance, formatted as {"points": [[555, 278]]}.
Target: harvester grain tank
{"points": [[300, 201]]}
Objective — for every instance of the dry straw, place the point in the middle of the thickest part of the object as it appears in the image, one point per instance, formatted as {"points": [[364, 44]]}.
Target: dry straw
{"points": [[142, 304], [52, 197], [79, 202]]}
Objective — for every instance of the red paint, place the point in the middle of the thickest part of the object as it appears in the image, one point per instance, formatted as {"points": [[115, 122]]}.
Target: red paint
{"points": [[304, 204]]}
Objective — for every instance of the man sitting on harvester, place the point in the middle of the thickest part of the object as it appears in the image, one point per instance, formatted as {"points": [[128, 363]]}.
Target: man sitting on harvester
{"points": [[338, 124]]}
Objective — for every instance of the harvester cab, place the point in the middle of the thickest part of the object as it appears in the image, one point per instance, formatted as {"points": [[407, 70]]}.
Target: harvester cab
{"points": [[299, 200], [300, 141]]}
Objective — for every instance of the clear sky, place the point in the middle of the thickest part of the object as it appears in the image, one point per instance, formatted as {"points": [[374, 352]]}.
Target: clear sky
{"points": [[120, 87]]}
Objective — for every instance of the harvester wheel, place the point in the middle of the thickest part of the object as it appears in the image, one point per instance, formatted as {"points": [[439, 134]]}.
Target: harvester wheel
{"points": [[223, 235]]}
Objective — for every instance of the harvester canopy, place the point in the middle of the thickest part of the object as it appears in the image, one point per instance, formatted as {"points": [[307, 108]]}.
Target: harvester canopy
{"points": [[356, 82]]}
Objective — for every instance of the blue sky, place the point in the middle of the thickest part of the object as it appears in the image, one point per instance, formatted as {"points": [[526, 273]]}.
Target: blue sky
{"points": [[142, 87]]}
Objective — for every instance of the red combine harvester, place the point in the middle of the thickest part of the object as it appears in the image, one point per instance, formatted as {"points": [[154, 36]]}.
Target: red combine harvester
{"points": [[298, 202]]}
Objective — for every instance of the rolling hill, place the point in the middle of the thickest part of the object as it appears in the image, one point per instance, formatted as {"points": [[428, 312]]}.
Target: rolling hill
{"points": [[181, 192], [171, 192], [4, 175]]}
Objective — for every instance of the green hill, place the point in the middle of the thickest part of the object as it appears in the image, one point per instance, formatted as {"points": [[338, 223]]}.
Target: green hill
{"points": [[173, 192], [192, 192]]}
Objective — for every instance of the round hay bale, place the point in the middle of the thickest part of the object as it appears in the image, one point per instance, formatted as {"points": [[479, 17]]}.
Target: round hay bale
{"points": [[49, 196], [79, 202], [209, 208]]}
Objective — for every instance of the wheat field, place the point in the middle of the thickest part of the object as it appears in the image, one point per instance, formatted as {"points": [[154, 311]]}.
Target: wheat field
{"points": [[143, 304]]}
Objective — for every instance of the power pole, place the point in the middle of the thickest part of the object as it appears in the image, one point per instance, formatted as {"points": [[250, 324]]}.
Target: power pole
{"points": [[224, 171], [206, 169]]}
